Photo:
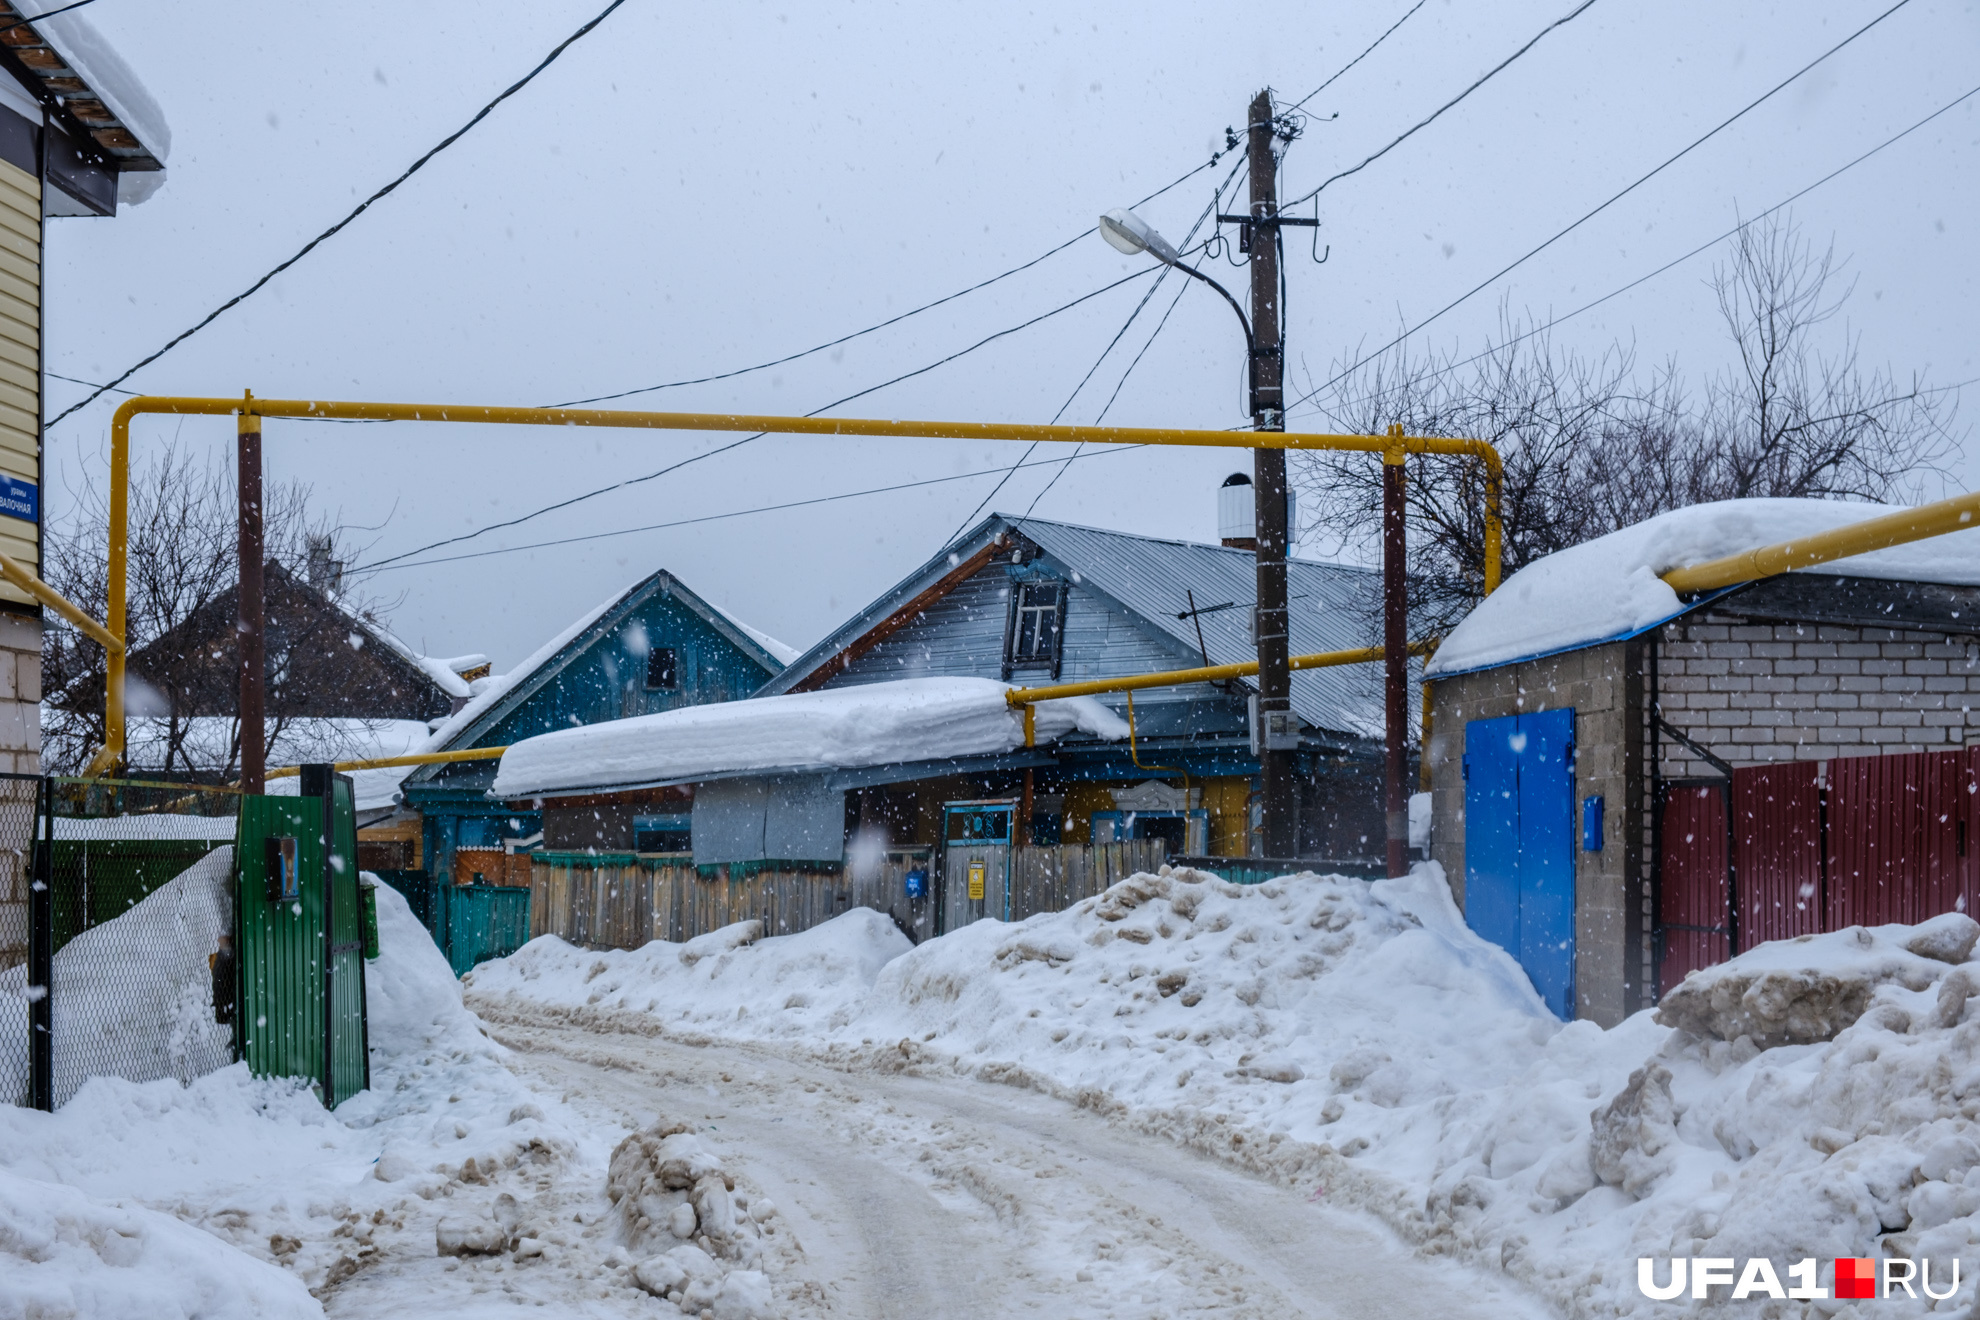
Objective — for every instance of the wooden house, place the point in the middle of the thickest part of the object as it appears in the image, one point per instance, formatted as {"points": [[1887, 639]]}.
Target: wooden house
{"points": [[340, 684], [954, 832], [1035, 602], [654, 647]]}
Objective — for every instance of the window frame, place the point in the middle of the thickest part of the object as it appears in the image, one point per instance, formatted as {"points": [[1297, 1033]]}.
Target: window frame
{"points": [[673, 655], [1014, 621]]}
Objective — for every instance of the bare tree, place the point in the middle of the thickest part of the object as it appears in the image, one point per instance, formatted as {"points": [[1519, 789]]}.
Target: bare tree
{"points": [[180, 559], [1591, 444]]}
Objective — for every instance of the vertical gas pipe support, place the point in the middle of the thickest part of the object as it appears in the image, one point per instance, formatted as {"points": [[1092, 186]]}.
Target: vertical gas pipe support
{"points": [[250, 625], [1395, 654]]}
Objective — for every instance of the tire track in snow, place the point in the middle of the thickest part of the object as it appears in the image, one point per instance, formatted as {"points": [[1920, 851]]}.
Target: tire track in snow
{"points": [[920, 1197]]}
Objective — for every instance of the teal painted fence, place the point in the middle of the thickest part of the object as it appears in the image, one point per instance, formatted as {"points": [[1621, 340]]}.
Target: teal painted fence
{"points": [[484, 922], [470, 923]]}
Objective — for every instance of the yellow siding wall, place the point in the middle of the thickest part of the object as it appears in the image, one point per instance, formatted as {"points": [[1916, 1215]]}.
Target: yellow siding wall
{"points": [[1229, 801], [20, 363]]}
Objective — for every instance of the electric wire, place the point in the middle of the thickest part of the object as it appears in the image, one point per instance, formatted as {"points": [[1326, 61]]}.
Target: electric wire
{"points": [[892, 320], [734, 513], [36, 18], [1359, 58], [1711, 243], [1613, 198], [1434, 115], [758, 435], [1216, 199], [1078, 449], [361, 208]]}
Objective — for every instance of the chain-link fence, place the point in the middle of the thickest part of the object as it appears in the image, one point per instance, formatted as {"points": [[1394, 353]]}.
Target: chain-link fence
{"points": [[140, 930], [20, 797]]}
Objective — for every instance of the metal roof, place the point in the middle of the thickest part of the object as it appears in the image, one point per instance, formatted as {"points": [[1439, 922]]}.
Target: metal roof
{"points": [[1332, 607]]}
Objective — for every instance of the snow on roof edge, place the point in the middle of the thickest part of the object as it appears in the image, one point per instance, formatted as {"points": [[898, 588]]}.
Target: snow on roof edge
{"points": [[1610, 587], [86, 50]]}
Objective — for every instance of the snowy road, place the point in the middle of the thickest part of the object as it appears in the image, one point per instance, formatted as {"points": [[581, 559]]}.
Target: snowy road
{"points": [[914, 1197]]}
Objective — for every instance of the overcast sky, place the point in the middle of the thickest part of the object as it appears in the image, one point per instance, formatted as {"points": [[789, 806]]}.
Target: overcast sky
{"points": [[696, 188]]}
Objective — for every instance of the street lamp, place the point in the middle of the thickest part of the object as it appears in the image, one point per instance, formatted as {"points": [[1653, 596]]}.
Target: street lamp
{"points": [[1276, 729], [1128, 233]]}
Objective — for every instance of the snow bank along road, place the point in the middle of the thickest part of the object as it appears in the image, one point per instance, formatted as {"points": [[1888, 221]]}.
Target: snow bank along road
{"points": [[917, 1197]]}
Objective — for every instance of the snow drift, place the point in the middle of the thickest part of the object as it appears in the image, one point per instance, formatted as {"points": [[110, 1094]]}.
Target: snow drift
{"points": [[918, 719], [1818, 1097], [135, 993], [235, 1195]]}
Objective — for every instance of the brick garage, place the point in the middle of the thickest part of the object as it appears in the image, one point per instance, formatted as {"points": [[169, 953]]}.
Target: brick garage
{"points": [[1795, 671]]}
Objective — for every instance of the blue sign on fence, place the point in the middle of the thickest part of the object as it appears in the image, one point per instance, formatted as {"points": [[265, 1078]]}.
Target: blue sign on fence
{"points": [[917, 883], [20, 499]]}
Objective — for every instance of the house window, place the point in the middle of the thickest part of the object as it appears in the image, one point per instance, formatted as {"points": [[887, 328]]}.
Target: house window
{"points": [[663, 669], [1037, 617]]}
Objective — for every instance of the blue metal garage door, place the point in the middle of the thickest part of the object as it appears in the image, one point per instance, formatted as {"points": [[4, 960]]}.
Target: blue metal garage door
{"points": [[1519, 844]]}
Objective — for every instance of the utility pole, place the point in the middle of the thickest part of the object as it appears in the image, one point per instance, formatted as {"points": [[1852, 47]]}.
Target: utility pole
{"points": [[1278, 735], [248, 626], [1395, 657]]}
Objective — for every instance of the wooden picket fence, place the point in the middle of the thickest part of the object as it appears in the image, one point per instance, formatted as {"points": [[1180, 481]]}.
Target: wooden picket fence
{"points": [[621, 901]]}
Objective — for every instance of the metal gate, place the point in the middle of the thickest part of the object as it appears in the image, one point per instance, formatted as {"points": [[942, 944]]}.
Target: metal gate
{"points": [[1880, 839], [1694, 909], [1777, 852], [300, 938], [976, 863], [1519, 844]]}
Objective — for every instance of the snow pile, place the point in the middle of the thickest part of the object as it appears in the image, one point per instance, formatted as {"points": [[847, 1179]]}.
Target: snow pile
{"points": [[1609, 587], [62, 1254], [134, 995], [1814, 1098], [257, 1169], [918, 719], [699, 1235], [727, 981]]}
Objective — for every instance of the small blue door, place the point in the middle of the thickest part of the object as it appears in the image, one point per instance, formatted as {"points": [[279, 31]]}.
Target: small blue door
{"points": [[1519, 844]]}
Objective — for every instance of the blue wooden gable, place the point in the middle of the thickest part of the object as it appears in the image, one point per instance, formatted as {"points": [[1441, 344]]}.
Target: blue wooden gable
{"points": [[656, 647]]}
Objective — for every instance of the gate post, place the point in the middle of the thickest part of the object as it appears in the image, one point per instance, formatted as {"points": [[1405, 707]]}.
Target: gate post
{"points": [[41, 961]]}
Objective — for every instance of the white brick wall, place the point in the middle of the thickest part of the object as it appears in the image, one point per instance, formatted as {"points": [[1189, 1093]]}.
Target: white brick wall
{"points": [[1755, 693]]}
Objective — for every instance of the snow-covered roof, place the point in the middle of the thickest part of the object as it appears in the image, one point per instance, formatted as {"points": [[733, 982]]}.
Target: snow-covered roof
{"points": [[104, 94], [784, 652], [1609, 588], [444, 673], [913, 720]]}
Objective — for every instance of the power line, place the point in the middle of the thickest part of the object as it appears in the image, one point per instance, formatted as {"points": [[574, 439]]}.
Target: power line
{"points": [[36, 18], [1611, 201], [893, 320], [1434, 115], [362, 207], [717, 517], [736, 444], [1065, 465], [1215, 199], [1359, 58], [1678, 261]]}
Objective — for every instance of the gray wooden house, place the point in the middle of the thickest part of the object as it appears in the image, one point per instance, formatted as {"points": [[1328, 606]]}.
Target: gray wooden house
{"points": [[1035, 602]]}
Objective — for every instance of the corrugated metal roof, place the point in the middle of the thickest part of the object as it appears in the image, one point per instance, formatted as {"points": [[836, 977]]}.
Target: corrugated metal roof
{"points": [[1333, 607]]}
